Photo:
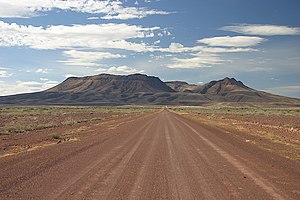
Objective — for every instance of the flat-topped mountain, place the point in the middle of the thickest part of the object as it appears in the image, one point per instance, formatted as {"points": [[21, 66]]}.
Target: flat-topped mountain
{"points": [[112, 84], [106, 89]]}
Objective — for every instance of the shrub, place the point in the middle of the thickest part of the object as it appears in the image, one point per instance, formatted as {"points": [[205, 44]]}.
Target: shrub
{"points": [[56, 137]]}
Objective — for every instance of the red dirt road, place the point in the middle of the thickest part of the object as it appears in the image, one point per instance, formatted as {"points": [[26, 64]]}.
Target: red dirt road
{"points": [[157, 156]]}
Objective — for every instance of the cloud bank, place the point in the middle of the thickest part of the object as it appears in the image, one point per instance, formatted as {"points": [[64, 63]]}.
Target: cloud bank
{"points": [[5, 74], [199, 60], [111, 9], [121, 70], [20, 87], [236, 41], [86, 45], [262, 29], [87, 58], [97, 36]]}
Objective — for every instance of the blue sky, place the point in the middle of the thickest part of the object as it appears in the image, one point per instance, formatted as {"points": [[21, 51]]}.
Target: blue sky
{"points": [[44, 41]]}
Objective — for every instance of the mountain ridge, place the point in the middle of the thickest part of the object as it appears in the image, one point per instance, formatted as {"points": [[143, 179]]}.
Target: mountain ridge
{"points": [[107, 83], [141, 89]]}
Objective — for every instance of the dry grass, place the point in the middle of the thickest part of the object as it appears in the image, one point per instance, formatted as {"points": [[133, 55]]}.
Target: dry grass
{"points": [[229, 110], [256, 123], [25, 119]]}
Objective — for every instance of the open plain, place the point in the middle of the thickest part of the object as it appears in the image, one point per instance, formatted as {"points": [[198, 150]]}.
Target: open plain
{"points": [[148, 153]]}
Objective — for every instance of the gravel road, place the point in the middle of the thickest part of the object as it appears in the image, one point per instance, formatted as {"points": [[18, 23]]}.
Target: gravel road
{"points": [[160, 155]]}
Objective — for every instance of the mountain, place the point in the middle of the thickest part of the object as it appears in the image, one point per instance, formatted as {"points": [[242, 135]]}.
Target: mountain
{"points": [[231, 90], [222, 87], [181, 86], [103, 89], [106, 89], [112, 84]]}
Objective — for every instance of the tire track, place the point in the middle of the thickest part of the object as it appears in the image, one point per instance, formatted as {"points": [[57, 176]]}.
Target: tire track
{"points": [[261, 182], [114, 157]]}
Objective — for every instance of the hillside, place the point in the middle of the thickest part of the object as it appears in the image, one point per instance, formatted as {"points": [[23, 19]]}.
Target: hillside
{"points": [[105, 89], [222, 87], [181, 86]]}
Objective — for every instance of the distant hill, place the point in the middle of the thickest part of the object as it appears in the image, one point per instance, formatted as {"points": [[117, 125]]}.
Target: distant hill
{"points": [[112, 84], [229, 90], [223, 87], [106, 89]]}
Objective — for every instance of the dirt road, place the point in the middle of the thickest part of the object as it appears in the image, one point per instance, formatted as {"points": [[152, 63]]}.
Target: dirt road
{"points": [[157, 156]]}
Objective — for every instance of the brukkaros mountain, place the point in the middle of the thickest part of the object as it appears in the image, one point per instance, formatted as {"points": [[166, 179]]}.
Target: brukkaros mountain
{"points": [[106, 89], [112, 85]]}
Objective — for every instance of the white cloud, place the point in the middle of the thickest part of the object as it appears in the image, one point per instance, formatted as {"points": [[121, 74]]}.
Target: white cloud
{"points": [[93, 18], [198, 60], [158, 57], [112, 9], [41, 70], [223, 50], [200, 56], [91, 55], [236, 41], [5, 74], [29, 84], [97, 36], [179, 48], [44, 79], [87, 58], [257, 69], [119, 70], [262, 29], [274, 79], [290, 90], [20, 87], [70, 75], [32, 85], [4, 68], [123, 13], [293, 87], [150, 1], [156, 42]]}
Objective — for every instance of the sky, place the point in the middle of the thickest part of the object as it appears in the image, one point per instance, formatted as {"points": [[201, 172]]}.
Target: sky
{"points": [[43, 42]]}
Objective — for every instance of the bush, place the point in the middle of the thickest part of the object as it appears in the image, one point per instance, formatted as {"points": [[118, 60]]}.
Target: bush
{"points": [[56, 137]]}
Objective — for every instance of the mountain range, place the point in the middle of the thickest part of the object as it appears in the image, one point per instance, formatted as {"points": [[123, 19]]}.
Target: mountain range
{"points": [[106, 89]]}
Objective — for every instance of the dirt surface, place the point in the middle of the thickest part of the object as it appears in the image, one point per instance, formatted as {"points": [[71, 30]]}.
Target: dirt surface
{"points": [[280, 134], [287, 127], [159, 155], [30, 128]]}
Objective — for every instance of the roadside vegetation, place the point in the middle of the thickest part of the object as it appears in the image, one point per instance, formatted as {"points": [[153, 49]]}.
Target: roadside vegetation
{"points": [[275, 129], [15, 120], [27, 128], [56, 137], [227, 110]]}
